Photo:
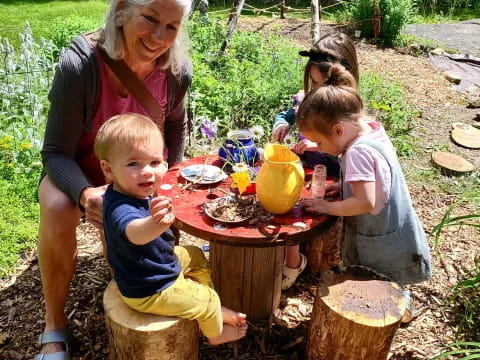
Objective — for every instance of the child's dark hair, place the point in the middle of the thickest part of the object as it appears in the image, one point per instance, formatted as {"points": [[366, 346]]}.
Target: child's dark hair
{"points": [[332, 48], [337, 100]]}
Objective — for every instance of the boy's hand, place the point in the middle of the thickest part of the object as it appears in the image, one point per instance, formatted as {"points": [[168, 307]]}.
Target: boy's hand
{"points": [[304, 145], [161, 210], [315, 205], [280, 132], [332, 190]]}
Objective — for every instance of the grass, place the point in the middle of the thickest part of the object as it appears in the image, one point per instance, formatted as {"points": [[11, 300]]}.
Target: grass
{"points": [[42, 13]]}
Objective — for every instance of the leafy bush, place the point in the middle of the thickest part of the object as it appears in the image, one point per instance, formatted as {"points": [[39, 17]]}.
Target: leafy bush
{"points": [[249, 84], [62, 32], [387, 101], [394, 14], [451, 7], [18, 225]]}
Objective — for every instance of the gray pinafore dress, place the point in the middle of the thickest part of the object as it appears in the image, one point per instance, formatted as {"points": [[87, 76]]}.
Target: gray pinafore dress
{"points": [[393, 242]]}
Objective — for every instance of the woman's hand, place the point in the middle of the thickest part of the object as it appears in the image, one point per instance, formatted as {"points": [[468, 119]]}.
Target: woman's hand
{"points": [[315, 205], [304, 145], [161, 210], [279, 132], [92, 201], [332, 190]]}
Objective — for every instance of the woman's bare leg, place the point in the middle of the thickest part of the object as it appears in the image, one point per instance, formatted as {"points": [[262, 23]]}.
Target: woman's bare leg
{"points": [[57, 254], [229, 333]]}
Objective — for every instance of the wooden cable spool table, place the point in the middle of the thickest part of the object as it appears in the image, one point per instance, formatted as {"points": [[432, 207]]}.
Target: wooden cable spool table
{"points": [[246, 260]]}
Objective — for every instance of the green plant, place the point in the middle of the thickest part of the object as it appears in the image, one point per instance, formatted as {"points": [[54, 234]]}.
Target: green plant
{"points": [[62, 32], [387, 101], [470, 349], [394, 14], [246, 86]]}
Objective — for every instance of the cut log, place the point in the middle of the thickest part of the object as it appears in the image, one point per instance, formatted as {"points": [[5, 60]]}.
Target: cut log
{"points": [[323, 251], [140, 336], [466, 135], [355, 315], [248, 279]]}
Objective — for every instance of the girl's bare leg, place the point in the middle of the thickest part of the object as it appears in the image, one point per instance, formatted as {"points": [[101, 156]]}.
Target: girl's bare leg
{"points": [[292, 256]]}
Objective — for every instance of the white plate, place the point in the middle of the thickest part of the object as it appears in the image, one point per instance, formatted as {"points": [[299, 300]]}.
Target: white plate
{"points": [[203, 174]]}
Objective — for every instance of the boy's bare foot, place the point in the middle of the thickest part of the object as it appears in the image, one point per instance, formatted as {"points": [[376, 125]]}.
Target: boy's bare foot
{"points": [[229, 333], [233, 318]]}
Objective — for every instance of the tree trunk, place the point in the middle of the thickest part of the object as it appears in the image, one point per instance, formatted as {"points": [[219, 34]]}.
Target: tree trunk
{"points": [[323, 251], [315, 12], [140, 336], [355, 315], [232, 26], [282, 9]]}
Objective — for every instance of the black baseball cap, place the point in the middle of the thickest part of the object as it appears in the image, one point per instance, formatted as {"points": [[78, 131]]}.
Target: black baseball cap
{"points": [[320, 57]]}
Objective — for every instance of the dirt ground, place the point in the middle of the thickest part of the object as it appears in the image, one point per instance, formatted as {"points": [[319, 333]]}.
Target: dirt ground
{"points": [[21, 309]]}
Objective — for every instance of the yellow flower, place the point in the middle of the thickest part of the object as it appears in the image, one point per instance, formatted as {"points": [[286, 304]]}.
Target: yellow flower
{"points": [[241, 180], [240, 167], [26, 146]]}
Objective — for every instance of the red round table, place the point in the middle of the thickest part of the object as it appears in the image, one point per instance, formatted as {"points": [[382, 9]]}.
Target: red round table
{"points": [[246, 260]]}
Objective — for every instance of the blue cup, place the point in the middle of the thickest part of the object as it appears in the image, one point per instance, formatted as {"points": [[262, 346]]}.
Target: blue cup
{"points": [[239, 147]]}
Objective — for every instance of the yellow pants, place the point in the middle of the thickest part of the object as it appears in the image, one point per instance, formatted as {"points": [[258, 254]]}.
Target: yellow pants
{"points": [[191, 296]]}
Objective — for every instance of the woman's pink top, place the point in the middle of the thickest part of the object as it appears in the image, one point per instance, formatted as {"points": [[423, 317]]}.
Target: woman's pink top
{"points": [[110, 104]]}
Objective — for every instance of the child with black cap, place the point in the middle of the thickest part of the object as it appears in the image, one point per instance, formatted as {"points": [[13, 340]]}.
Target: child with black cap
{"points": [[332, 48]]}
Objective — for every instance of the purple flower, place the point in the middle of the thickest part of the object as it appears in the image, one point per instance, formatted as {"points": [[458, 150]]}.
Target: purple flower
{"points": [[208, 129]]}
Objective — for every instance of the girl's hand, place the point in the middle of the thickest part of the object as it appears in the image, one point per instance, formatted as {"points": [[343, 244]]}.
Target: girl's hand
{"points": [[332, 190], [92, 201], [304, 145], [315, 205], [280, 132], [161, 210]]}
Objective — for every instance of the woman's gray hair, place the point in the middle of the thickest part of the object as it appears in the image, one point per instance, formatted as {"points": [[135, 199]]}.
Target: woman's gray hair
{"points": [[112, 40]]}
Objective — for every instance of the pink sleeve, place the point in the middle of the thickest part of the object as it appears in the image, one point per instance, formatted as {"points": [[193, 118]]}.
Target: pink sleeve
{"points": [[360, 164]]}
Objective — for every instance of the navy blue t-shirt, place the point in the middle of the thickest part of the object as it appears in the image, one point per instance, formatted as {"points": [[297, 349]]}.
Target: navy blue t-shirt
{"points": [[139, 270]]}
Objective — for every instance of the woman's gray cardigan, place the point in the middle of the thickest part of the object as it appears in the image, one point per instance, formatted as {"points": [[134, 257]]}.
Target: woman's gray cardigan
{"points": [[73, 103]]}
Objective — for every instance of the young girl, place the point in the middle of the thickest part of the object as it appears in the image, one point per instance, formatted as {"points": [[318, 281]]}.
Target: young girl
{"points": [[382, 230], [153, 275], [332, 48]]}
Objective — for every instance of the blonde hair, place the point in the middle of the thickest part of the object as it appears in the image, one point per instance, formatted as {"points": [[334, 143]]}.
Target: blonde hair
{"points": [[337, 100], [332, 48], [125, 131], [112, 39]]}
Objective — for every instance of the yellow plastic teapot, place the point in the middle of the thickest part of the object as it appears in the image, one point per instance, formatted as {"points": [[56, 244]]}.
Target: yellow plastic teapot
{"points": [[280, 179]]}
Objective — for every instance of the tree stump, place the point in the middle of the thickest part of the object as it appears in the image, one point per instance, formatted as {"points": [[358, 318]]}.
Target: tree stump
{"points": [[323, 251], [248, 279], [140, 336], [355, 315]]}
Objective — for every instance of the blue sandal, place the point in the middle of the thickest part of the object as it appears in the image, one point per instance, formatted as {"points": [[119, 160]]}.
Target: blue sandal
{"points": [[54, 336]]}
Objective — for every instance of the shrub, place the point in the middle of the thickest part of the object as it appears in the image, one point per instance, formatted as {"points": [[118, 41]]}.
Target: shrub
{"points": [[249, 84], [394, 15]]}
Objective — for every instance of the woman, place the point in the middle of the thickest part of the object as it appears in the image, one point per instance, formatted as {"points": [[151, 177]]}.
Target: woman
{"points": [[146, 35]]}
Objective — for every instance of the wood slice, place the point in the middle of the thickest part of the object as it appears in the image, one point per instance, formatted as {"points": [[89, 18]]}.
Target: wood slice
{"points": [[466, 136], [451, 162], [355, 315], [323, 251], [140, 336]]}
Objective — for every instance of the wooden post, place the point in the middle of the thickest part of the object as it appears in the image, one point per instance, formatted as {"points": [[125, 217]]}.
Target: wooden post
{"points": [[355, 315], [140, 336], [232, 26], [323, 251], [248, 279], [282, 9], [315, 11]]}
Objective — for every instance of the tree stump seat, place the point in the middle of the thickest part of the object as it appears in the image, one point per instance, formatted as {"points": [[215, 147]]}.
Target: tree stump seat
{"points": [[355, 315], [140, 336]]}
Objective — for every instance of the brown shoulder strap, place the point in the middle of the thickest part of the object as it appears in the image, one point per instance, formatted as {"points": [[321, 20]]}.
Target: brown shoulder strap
{"points": [[135, 87]]}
